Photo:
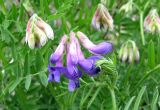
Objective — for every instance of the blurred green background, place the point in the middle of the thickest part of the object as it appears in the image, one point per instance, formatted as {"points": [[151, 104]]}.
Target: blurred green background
{"points": [[23, 72]]}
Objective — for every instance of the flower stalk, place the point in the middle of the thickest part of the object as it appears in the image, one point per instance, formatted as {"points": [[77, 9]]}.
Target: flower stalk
{"points": [[114, 105], [141, 28]]}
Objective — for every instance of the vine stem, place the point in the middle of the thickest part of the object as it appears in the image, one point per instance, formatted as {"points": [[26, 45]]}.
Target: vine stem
{"points": [[141, 27], [113, 99]]}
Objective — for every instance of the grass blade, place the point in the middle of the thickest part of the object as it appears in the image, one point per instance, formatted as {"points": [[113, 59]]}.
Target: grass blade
{"points": [[129, 103], [155, 99], [15, 84], [93, 98], [139, 97]]}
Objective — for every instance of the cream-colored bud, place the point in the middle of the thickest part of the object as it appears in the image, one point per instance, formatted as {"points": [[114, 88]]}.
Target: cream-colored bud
{"points": [[137, 57], [102, 18], [46, 28], [127, 7], [152, 22], [31, 41], [125, 54], [40, 35], [130, 55]]}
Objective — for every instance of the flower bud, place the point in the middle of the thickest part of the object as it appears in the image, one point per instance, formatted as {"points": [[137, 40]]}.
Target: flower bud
{"points": [[102, 18], [129, 51], [125, 54], [137, 56], [46, 28], [40, 36], [152, 22], [37, 32], [127, 8], [130, 55], [31, 41]]}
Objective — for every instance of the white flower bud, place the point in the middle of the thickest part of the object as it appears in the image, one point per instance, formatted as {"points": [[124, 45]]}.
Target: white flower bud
{"points": [[31, 41], [125, 54], [46, 28], [130, 55], [152, 22], [41, 36], [102, 18]]}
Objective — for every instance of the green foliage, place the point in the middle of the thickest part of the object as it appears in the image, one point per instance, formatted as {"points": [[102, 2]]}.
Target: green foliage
{"points": [[119, 86]]}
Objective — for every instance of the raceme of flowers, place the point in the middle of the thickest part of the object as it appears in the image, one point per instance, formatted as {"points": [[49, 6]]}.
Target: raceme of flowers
{"points": [[76, 63], [152, 22], [129, 52], [38, 32], [102, 19]]}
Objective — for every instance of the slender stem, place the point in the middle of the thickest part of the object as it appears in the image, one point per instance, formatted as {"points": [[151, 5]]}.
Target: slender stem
{"points": [[113, 99], [141, 27]]}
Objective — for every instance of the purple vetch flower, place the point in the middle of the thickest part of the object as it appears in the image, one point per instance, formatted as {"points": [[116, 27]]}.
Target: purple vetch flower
{"points": [[38, 32], [73, 84], [55, 73], [73, 71], [88, 65], [75, 61], [73, 48], [99, 49], [59, 50]]}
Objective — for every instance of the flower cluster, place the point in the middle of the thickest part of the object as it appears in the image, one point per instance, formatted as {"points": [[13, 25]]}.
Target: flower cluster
{"points": [[38, 32], [102, 18], [129, 51], [75, 60], [128, 7], [152, 22]]}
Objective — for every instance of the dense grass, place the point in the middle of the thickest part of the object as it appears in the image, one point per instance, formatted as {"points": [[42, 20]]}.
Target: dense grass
{"points": [[23, 72]]}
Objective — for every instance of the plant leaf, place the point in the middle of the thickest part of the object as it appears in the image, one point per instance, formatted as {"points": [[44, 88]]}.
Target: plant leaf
{"points": [[93, 97], [129, 103], [139, 97], [28, 82], [155, 99], [44, 79], [15, 84]]}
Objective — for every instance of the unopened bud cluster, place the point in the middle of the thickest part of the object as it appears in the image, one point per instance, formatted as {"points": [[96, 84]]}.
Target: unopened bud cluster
{"points": [[152, 22], [102, 19], [38, 32], [129, 52], [128, 7]]}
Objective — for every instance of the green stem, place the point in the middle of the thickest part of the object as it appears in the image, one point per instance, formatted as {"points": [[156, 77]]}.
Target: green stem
{"points": [[141, 27], [113, 99]]}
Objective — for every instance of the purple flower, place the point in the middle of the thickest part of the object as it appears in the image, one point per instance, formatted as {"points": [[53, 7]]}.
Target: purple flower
{"points": [[55, 73], [73, 48], [88, 65], [99, 49], [75, 60], [73, 84], [59, 50], [73, 71]]}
